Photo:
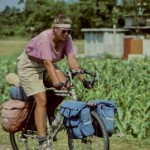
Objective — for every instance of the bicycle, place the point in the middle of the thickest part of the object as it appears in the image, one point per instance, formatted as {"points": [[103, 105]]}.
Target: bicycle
{"points": [[27, 137]]}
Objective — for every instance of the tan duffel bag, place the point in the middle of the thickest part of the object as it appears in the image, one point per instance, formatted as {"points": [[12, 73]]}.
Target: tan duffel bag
{"points": [[14, 114]]}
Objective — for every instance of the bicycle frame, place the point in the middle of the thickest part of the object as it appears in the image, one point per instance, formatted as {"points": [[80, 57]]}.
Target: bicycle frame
{"points": [[64, 93], [52, 133]]}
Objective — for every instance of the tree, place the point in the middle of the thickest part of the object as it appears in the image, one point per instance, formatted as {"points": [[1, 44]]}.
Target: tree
{"points": [[8, 18], [97, 13], [39, 14]]}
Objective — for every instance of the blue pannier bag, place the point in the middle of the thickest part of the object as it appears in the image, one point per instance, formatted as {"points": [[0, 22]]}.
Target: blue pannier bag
{"points": [[106, 110], [17, 92], [77, 118]]}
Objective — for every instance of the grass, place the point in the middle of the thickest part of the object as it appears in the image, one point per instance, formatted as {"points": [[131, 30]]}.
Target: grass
{"points": [[116, 143], [80, 46], [11, 46]]}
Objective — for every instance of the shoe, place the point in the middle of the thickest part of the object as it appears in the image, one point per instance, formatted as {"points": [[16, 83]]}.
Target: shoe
{"points": [[46, 146]]}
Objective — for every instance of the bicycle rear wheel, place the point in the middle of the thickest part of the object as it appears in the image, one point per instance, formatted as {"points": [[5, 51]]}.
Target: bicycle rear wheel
{"points": [[26, 141], [29, 141], [98, 141]]}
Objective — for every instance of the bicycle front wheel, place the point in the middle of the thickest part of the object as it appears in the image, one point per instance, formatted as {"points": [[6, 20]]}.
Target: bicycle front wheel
{"points": [[98, 141]]}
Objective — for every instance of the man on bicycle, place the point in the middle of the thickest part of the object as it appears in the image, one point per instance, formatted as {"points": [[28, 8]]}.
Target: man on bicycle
{"points": [[40, 55]]}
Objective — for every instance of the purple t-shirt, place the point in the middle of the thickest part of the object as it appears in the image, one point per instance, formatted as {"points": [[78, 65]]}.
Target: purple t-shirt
{"points": [[42, 48]]}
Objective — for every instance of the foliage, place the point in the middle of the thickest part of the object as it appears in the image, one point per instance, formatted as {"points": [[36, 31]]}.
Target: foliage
{"points": [[125, 82], [7, 65], [8, 18], [38, 15]]}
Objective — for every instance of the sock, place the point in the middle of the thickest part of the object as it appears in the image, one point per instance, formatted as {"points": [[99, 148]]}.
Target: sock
{"points": [[42, 139]]}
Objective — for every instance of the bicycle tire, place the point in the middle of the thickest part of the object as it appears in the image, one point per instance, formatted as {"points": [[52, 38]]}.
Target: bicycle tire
{"points": [[19, 142], [60, 144], [100, 137], [13, 141], [27, 138]]}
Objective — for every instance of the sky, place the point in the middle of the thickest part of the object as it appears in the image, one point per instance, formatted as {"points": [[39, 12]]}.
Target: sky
{"points": [[10, 3]]}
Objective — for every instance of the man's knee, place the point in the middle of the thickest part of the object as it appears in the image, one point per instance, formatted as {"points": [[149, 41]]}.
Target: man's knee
{"points": [[40, 99]]}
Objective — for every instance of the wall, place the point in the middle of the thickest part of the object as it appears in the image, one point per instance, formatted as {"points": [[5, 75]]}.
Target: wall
{"points": [[103, 41]]}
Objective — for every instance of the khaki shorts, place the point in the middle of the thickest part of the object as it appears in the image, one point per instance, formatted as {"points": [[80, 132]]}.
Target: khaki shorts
{"points": [[31, 75]]}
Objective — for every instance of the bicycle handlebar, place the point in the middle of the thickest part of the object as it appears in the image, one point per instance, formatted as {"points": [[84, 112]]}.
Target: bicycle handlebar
{"points": [[70, 75]]}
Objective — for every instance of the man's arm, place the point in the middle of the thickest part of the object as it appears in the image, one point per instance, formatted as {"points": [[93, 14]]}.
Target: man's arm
{"points": [[73, 64], [51, 72]]}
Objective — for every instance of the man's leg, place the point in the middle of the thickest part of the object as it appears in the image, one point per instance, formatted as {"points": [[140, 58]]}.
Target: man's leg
{"points": [[41, 105], [54, 100], [40, 115]]}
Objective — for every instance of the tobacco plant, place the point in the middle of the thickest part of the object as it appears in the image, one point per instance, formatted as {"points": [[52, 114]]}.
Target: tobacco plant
{"points": [[125, 82]]}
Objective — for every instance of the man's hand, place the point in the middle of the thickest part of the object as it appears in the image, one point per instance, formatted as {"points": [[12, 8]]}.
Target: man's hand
{"points": [[61, 85]]}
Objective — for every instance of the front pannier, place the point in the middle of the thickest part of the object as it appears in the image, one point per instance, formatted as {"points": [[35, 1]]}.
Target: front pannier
{"points": [[77, 118]]}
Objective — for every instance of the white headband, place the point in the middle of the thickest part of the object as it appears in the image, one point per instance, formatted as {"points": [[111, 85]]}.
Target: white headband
{"points": [[62, 25]]}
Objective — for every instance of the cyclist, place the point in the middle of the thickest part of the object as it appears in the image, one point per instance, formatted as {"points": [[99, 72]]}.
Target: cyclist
{"points": [[40, 55]]}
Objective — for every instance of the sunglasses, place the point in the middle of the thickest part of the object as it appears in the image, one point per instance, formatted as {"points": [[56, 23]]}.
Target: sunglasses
{"points": [[64, 31]]}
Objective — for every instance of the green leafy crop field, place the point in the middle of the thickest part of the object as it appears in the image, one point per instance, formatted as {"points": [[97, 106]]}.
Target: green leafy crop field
{"points": [[125, 82]]}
